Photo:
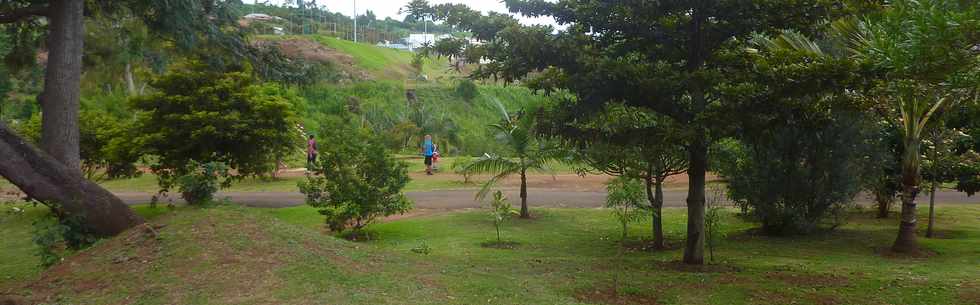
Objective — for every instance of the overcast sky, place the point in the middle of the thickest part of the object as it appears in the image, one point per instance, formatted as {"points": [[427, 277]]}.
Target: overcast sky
{"points": [[389, 8]]}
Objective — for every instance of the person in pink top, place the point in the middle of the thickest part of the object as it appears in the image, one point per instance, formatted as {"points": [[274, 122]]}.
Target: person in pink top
{"points": [[311, 152]]}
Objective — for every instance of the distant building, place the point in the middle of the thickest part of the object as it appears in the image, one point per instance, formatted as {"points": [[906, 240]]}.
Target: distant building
{"points": [[396, 46], [261, 17], [415, 41]]}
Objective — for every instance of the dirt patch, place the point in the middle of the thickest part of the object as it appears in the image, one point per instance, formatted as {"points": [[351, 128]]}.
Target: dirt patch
{"points": [[313, 51], [647, 245], [680, 266], [809, 279], [609, 295], [922, 254], [969, 293], [500, 244]]}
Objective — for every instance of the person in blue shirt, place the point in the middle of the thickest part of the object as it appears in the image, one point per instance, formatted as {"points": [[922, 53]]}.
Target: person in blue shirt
{"points": [[428, 150]]}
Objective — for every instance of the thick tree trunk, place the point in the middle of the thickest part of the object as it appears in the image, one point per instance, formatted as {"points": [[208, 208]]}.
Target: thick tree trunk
{"points": [[130, 83], [932, 208], [45, 179], [906, 241], [524, 212], [62, 83], [694, 248], [656, 206]]}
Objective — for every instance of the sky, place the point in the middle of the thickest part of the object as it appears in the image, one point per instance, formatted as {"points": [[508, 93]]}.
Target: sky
{"points": [[389, 8]]}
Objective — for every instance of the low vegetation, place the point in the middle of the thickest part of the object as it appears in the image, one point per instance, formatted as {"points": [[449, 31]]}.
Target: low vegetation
{"points": [[233, 255]]}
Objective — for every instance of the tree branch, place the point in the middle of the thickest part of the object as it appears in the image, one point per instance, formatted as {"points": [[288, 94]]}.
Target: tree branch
{"points": [[18, 14]]}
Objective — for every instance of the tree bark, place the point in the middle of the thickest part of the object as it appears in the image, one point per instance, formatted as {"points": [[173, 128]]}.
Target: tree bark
{"points": [[906, 241], [45, 179], [128, 76], [884, 204], [656, 204], [932, 208], [694, 248], [524, 212], [62, 83]]}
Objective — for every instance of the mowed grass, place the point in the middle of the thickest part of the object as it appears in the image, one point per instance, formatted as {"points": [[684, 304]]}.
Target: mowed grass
{"points": [[235, 255]]}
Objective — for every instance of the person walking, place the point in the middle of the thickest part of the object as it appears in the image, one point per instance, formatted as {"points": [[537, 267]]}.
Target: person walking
{"points": [[428, 150], [310, 153]]}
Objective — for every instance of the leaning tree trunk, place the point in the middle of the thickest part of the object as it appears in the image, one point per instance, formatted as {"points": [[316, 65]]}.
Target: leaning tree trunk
{"points": [[45, 179], [906, 242], [524, 212], [62, 82], [694, 247], [932, 208], [656, 199]]}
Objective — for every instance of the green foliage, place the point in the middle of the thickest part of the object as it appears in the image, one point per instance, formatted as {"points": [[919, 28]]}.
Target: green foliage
{"points": [[625, 197], [467, 90], [501, 211], [795, 177], [422, 248], [215, 116], [52, 235], [104, 146], [198, 186], [356, 179], [713, 221]]}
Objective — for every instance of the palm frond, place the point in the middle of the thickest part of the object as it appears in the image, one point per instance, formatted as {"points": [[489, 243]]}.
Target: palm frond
{"points": [[492, 164]]}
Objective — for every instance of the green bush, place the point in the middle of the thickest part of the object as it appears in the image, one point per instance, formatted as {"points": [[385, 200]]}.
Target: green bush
{"points": [[205, 115], [355, 180], [52, 235], [467, 90], [202, 181], [104, 145], [625, 198], [501, 211], [795, 178]]}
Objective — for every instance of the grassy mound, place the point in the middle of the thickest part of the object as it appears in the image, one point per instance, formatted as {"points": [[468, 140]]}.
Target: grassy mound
{"points": [[232, 255]]}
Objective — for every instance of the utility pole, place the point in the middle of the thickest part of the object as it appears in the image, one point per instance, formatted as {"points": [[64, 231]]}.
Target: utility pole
{"points": [[355, 20]]}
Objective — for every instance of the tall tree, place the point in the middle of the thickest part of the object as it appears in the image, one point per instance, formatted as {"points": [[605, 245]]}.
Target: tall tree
{"points": [[626, 142], [186, 22], [925, 53], [667, 56]]}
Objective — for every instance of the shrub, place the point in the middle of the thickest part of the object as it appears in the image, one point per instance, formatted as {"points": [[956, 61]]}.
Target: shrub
{"points": [[199, 184], [467, 90], [105, 149], [501, 211], [355, 180], [713, 221], [51, 232], [207, 115], [793, 177], [625, 197]]}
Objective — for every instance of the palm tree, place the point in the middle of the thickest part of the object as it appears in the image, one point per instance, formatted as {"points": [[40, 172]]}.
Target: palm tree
{"points": [[926, 60], [529, 155]]}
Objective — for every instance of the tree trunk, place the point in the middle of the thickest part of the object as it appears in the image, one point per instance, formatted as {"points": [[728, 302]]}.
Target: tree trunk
{"points": [[656, 207], [694, 248], [932, 208], [45, 179], [130, 83], [884, 204], [62, 83], [524, 212], [906, 242]]}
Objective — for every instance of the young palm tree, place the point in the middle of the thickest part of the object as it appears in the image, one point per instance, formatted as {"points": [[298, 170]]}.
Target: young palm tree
{"points": [[926, 58], [529, 155]]}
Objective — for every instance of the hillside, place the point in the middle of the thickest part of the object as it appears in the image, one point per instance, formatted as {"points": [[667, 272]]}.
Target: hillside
{"points": [[380, 96]]}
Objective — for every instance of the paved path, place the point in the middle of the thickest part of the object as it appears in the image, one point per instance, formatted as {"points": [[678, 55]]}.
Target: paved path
{"points": [[462, 199]]}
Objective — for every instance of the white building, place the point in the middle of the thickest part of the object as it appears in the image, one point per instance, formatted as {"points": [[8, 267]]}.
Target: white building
{"points": [[415, 41]]}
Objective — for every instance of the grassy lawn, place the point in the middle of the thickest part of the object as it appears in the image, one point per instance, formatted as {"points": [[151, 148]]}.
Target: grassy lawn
{"points": [[235, 255]]}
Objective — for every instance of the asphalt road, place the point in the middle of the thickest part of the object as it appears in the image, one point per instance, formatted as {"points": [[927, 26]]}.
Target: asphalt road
{"points": [[463, 199]]}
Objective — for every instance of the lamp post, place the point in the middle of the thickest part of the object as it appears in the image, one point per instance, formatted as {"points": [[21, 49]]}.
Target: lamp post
{"points": [[355, 20]]}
